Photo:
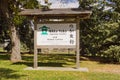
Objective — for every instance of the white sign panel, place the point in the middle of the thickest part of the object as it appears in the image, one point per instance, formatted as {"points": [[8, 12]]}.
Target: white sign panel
{"points": [[61, 3], [56, 34]]}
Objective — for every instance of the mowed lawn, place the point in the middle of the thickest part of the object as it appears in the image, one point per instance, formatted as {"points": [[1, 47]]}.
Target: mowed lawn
{"points": [[97, 69]]}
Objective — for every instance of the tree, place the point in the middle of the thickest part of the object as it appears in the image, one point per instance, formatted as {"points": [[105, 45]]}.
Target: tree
{"points": [[100, 32], [9, 10], [6, 7]]}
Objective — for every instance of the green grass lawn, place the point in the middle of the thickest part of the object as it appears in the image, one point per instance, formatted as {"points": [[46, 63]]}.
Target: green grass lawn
{"points": [[97, 70]]}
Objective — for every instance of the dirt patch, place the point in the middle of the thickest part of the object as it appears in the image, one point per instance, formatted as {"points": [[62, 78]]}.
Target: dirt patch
{"points": [[108, 69]]}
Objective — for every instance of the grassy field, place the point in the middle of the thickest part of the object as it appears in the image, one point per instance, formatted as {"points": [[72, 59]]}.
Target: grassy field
{"points": [[97, 69]]}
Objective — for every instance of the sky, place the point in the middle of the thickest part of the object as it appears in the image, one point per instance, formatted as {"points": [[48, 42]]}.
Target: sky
{"points": [[62, 3]]}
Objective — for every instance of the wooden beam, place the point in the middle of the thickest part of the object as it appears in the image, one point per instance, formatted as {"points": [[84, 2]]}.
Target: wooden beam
{"points": [[56, 46], [78, 43], [55, 22], [81, 16]]}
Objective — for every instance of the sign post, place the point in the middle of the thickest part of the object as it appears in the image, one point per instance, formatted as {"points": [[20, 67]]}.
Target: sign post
{"points": [[35, 65], [78, 44]]}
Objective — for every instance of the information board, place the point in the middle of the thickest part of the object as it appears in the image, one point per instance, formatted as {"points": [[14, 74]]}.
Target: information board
{"points": [[62, 34]]}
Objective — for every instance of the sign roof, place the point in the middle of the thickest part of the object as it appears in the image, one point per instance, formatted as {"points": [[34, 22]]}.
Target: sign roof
{"points": [[56, 12]]}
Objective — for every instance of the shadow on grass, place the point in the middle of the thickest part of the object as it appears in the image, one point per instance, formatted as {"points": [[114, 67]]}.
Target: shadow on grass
{"points": [[4, 56], [6, 73], [42, 64], [58, 60], [100, 60], [55, 60], [49, 57], [49, 60]]}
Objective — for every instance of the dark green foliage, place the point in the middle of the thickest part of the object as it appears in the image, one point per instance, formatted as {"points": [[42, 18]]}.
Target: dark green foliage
{"points": [[4, 32], [85, 4], [21, 23], [25, 30], [101, 31], [112, 53], [29, 4], [26, 35]]}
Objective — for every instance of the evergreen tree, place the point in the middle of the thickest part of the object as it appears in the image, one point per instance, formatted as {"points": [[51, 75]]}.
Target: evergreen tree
{"points": [[101, 31]]}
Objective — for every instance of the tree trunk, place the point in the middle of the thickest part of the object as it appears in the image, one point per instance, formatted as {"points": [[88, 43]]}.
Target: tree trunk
{"points": [[15, 41], [15, 52]]}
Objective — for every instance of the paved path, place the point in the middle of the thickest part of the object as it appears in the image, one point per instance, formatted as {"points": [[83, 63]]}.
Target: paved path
{"points": [[58, 69]]}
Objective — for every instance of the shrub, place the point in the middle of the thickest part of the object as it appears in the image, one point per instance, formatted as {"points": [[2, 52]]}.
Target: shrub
{"points": [[112, 53]]}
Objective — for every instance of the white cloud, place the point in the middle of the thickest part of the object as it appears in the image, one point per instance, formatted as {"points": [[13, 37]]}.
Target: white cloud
{"points": [[59, 4]]}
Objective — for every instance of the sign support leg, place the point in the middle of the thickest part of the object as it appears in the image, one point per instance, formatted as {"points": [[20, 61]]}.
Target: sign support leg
{"points": [[78, 44], [35, 51]]}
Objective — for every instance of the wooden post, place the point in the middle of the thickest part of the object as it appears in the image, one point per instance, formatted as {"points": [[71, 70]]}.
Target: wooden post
{"points": [[35, 49], [78, 43], [68, 50]]}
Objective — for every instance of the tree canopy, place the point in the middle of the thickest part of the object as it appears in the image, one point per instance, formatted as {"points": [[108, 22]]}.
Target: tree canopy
{"points": [[100, 33]]}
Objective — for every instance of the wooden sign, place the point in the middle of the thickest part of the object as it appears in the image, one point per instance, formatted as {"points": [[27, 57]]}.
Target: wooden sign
{"points": [[63, 34]]}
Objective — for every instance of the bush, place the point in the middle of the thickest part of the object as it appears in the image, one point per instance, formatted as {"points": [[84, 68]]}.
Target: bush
{"points": [[112, 53]]}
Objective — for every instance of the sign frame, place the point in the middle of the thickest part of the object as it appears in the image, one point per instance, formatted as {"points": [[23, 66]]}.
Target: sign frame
{"points": [[76, 47]]}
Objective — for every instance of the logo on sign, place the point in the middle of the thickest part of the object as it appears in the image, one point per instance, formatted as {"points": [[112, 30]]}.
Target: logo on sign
{"points": [[44, 30]]}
